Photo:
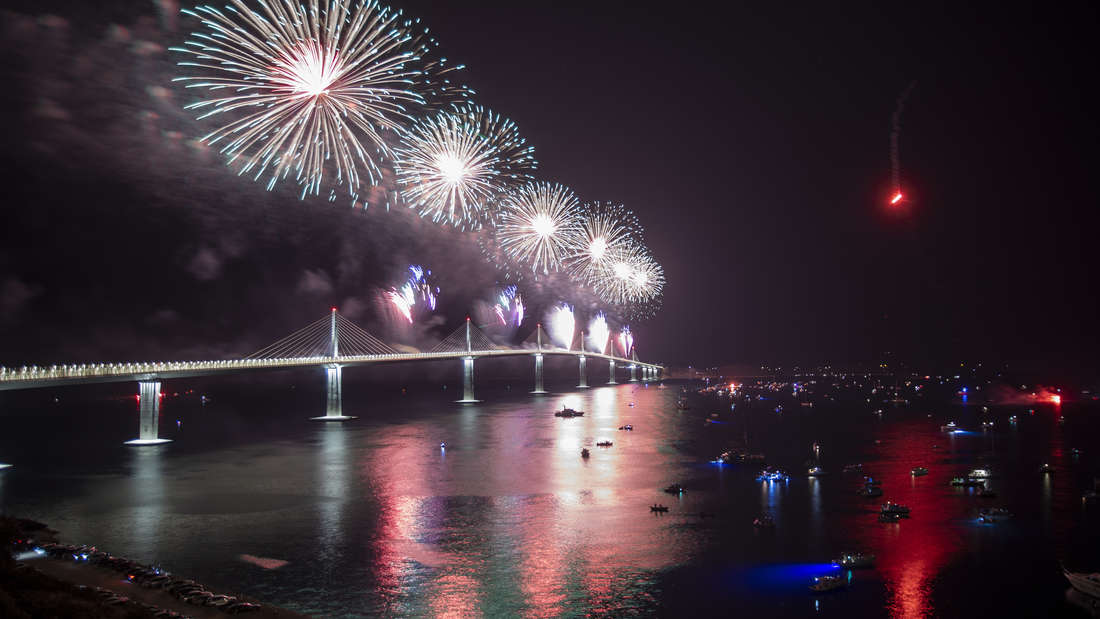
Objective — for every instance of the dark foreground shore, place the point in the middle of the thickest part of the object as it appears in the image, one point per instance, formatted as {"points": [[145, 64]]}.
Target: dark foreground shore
{"points": [[49, 587]]}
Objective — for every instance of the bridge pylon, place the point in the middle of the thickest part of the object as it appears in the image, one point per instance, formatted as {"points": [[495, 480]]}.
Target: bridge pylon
{"points": [[582, 362], [148, 414], [611, 372]]}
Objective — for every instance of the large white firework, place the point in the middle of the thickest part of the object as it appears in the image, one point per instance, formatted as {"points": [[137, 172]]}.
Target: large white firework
{"points": [[451, 165], [630, 277], [606, 230], [310, 87], [538, 225]]}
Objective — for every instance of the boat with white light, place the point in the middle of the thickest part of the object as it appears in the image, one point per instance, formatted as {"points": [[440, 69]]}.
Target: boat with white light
{"points": [[772, 474], [993, 514], [918, 471], [815, 471], [855, 560], [979, 474], [1046, 468], [894, 508], [949, 427], [675, 489], [966, 482], [568, 412], [888, 517], [828, 583]]}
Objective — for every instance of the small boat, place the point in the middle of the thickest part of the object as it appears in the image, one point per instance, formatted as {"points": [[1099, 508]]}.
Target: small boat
{"points": [[1046, 468], [675, 489], [966, 482], [723, 458], [815, 471], [949, 427], [870, 481], [568, 412], [979, 474], [854, 560], [1089, 584], [682, 404], [987, 493], [603, 444], [853, 468], [584, 453], [828, 583], [888, 517], [658, 508], [764, 522], [631, 404], [987, 424], [1012, 419], [1075, 451], [771, 473], [894, 508], [993, 514], [918, 471], [870, 491], [626, 427]]}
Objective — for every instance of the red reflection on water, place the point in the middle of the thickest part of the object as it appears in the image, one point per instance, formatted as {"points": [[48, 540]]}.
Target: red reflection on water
{"points": [[911, 553]]}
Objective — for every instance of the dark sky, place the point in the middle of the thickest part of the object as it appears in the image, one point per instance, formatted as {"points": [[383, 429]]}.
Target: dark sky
{"points": [[751, 139]]}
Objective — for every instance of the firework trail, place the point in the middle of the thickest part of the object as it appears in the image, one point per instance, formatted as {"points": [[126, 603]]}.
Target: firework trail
{"points": [[509, 307], [606, 230], [538, 225], [626, 341], [895, 133], [598, 333], [416, 290], [306, 88], [561, 324], [452, 165]]}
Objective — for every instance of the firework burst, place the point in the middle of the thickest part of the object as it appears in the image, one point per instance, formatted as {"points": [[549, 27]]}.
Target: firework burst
{"points": [[561, 324], [451, 165], [598, 333], [630, 276], [626, 341], [606, 230], [312, 87], [416, 290], [509, 307], [537, 225]]}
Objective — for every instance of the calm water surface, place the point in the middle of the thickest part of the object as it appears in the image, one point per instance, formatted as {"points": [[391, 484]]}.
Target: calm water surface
{"points": [[372, 517]]}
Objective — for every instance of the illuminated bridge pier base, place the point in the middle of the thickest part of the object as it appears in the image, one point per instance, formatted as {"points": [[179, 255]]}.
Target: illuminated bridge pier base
{"points": [[633, 373], [334, 395], [611, 372], [539, 390], [148, 414], [583, 383]]}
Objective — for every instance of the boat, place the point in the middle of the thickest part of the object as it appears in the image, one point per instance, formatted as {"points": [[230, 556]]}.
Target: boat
{"points": [[856, 560], [987, 493], [658, 508], [993, 514], [987, 424], [894, 508], [853, 468], [682, 404], [584, 453], [966, 482], [631, 404], [764, 522], [888, 517], [1012, 419], [919, 471], [603, 444], [771, 473], [723, 458], [979, 474], [626, 427], [815, 471], [675, 489], [1089, 496], [1046, 468], [1089, 584], [828, 583], [870, 491], [949, 427], [870, 481], [568, 412]]}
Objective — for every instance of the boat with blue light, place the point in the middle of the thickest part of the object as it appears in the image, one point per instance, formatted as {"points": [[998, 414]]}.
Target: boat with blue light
{"points": [[855, 560], [772, 474], [993, 514], [949, 427], [828, 583]]}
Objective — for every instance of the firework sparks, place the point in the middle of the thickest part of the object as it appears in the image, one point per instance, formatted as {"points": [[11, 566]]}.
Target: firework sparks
{"points": [[630, 276], [538, 225], [626, 341], [607, 229], [561, 325], [310, 88], [416, 290], [453, 164], [598, 333], [509, 307]]}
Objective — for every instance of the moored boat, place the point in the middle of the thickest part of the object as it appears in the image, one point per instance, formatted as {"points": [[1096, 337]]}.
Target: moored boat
{"points": [[919, 471], [855, 560], [828, 583]]}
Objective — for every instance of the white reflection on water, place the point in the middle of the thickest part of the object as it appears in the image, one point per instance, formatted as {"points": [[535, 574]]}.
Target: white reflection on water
{"points": [[147, 497]]}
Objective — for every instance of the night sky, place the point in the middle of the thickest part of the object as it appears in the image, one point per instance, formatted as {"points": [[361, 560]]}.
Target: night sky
{"points": [[751, 140]]}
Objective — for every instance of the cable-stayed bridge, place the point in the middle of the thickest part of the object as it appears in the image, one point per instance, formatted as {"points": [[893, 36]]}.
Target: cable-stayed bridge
{"points": [[332, 342]]}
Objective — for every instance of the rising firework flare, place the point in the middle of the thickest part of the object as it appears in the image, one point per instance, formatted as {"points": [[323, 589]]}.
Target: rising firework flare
{"points": [[626, 341], [895, 134], [538, 226], [416, 291], [452, 165], [598, 334], [561, 324], [309, 91]]}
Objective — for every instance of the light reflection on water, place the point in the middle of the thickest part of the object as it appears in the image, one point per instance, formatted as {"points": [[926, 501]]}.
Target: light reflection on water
{"points": [[374, 518]]}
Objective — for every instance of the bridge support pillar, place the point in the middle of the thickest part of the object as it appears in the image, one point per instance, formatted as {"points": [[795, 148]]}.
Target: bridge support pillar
{"points": [[468, 381], [611, 372], [583, 361], [334, 395], [633, 373], [538, 375], [148, 414]]}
